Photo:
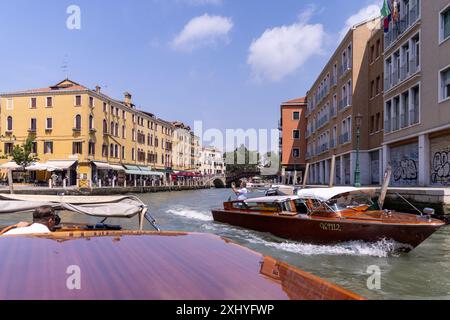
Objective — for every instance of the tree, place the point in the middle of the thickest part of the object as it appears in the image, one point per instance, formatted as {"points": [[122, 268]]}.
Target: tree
{"points": [[23, 155], [242, 161]]}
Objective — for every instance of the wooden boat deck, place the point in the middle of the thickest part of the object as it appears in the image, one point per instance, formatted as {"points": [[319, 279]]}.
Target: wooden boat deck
{"points": [[150, 266]]}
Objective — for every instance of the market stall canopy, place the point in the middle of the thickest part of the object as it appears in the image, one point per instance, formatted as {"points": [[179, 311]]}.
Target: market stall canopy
{"points": [[107, 207], [60, 165], [11, 166]]}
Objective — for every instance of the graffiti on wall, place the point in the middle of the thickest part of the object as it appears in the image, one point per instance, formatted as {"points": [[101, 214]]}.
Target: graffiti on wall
{"points": [[405, 165], [440, 161]]}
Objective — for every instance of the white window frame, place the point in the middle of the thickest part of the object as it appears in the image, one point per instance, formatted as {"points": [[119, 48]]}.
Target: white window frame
{"points": [[10, 104], [31, 103], [46, 102], [441, 25], [441, 98], [46, 123]]}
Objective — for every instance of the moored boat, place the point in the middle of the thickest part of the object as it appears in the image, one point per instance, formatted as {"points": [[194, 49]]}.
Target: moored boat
{"points": [[328, 216], [104, 262]]}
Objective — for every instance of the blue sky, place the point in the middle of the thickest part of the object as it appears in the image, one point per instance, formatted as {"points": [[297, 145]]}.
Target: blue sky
{"points": [[229, 63]]}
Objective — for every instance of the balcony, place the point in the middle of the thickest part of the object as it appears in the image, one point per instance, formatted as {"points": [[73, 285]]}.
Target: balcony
{"points": [[333, 112], [332, 143], [333, 80], [345, 103], [323, 148], [322, 121], [344, 68], [344, 138], [396, 30]]}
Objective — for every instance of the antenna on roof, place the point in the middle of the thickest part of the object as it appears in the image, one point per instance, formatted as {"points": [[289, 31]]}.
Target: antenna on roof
{"points": [[65, 66]]}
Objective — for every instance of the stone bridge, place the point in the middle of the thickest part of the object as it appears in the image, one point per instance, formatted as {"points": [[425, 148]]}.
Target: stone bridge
{"points": [[218, 181]]}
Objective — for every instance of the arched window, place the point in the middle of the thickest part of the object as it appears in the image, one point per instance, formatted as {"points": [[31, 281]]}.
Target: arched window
{"points": [[116, 151], [9, 123], [78, 122], [112, 128], [105, 127], [111, 150], [117, 130]]}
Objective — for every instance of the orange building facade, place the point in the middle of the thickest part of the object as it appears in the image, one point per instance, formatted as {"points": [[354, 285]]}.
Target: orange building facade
{"points": [[293, 139]]}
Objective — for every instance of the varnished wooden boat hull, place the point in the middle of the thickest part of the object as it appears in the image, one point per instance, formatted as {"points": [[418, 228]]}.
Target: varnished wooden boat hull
{"points": [[150, 266], [324, 231]]}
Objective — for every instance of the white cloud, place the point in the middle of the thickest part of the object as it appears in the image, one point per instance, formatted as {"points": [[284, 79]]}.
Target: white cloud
{"points": [[282, 50], [203, 31], [366, 13]]}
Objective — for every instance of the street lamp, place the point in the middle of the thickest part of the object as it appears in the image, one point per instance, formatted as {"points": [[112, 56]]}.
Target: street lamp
{"points": [[358, 120]]}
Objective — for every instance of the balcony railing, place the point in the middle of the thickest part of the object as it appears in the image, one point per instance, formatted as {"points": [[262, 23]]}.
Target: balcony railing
{"points": [[414, 116], [333, 111], [323, 148], [322, 121], [344, 138], [333, 80], [346, 66], [345, 103], [407, 69], [408, 19], [387, 125]]}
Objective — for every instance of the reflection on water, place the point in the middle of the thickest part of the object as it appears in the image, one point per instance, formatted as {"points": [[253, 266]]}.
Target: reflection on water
{"points": [[421, 274]]}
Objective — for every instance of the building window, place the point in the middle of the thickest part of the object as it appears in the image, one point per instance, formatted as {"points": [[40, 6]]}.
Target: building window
{"points": [[34, 147], [9, 147], [91, 122], [105, 127], [445, 84], [111, 150], [49, 102], [296, 153], [9, 124], [378, 85], [105, 107], [91, 102], [10, 104], [296, 134], [91, 148], [133, 154], [124, 132], [116, 151], [296, 115], [48, 147], [105, 150], [49, 124], [33, 125], [372, 89], [445, 24], [77, 101], [123, 153], [33, 103], [77, 122], [77, 148]]}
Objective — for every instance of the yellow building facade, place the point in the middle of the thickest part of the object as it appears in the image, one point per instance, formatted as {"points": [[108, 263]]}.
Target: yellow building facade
{"points": [[84, 131]]}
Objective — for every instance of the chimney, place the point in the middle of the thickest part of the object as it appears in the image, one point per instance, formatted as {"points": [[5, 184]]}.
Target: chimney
{"points": [[127, 99], [98, 89]]}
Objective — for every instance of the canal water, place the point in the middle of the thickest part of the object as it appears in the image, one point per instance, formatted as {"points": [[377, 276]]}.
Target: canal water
{"points": [[423, 273]]}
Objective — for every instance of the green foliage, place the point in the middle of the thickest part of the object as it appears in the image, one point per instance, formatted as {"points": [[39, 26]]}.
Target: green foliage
{"points": [[242, 160], [23, 155]]}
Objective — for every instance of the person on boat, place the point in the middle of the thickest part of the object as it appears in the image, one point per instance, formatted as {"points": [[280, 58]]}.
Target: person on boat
{"points": [[242, 192], [44, 220]]}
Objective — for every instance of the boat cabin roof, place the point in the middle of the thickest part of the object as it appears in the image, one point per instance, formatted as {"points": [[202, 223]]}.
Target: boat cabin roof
{"points": [[326, 194], [274, 199]]}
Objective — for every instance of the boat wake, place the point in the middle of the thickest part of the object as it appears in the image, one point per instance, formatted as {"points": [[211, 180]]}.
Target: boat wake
{"points": [[191, 214]]}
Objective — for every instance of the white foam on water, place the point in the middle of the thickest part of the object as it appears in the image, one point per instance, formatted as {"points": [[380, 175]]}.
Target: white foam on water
{"points": [[191, 214], [380, 249]]}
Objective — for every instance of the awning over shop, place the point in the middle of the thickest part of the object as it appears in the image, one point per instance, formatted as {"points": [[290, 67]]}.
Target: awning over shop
{"points": [[40, 167], [60, 165], [11, 166], [117, 168], [102, 165], [133, 170]]}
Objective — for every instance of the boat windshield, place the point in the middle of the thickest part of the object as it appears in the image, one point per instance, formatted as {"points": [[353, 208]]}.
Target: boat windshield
{"points": [[357, 202]]}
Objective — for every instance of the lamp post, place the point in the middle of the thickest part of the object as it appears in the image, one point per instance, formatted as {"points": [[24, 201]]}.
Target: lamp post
{"points": [[358, 121]]}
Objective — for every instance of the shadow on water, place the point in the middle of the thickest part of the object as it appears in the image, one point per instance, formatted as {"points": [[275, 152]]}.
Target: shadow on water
{"points": [[423, 273]]}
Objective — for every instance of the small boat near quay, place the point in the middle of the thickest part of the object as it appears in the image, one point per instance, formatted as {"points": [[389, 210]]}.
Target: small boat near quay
{"points": [[328, 216], [117, 264]]}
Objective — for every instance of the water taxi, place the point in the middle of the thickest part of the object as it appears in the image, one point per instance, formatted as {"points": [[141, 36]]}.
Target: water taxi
{"points": [[104, 262], [329, 216]]}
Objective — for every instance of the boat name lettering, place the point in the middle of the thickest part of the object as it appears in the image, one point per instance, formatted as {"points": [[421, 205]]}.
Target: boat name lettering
{"points": [[330, 227]]}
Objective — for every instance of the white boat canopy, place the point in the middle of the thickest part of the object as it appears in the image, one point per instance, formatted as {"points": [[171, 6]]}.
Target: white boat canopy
{"points": [[275, 199], [104, 207], [326, 194]]}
